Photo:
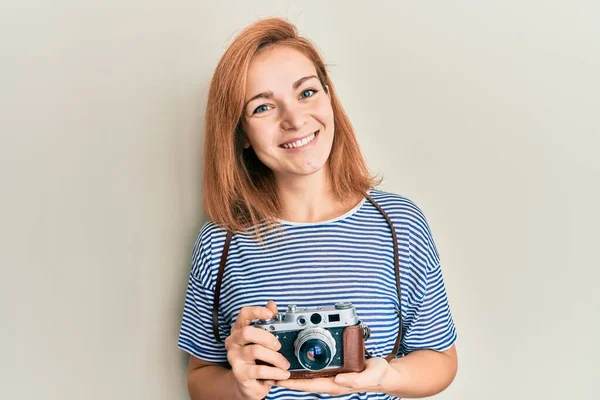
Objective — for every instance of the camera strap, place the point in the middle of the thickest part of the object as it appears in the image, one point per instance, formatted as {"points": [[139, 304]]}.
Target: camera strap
{"points": [[389, 357]]}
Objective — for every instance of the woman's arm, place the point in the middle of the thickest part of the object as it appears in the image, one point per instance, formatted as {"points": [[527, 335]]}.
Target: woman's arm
{"points": [[421, 373], [246, 380], [212, 381], [223, 384]]}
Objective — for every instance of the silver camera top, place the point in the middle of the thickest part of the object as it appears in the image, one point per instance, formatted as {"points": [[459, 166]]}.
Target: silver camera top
{"points": [[339, 315]]}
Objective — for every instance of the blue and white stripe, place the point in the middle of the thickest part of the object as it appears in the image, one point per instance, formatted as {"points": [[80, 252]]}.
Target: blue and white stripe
{"points": [[349, 258]]}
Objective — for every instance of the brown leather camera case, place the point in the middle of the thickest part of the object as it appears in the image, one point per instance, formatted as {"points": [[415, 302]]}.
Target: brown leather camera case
{"points": [[354, 356]]}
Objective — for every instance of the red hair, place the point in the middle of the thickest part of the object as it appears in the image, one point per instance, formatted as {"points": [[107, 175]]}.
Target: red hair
{"points": [[239, 190]]}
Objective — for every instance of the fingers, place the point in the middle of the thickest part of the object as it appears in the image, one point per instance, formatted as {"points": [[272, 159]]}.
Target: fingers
{"points": [[268, 382], [265, 372], [257, 352], [315, 385], [272, 306], [247, 344], [247, 314], [252, 335], [349, 380], [370, 378]]}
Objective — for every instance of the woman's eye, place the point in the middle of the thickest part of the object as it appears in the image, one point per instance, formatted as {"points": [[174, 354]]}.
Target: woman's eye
{"points": [[308, 93], [261, 108]]}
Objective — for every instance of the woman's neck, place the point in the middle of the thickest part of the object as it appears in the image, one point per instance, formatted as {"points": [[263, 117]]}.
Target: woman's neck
{"points": [[309, 198]]}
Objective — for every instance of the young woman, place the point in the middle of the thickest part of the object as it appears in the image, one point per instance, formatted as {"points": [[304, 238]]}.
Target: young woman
{"points": [[296, 219]]}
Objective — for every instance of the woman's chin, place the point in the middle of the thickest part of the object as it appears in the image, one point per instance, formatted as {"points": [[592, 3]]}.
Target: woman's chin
{"points": [[303, 171]]}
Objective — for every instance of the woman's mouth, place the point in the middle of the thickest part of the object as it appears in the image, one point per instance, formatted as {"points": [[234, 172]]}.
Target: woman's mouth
{"points": [[300, 143]]}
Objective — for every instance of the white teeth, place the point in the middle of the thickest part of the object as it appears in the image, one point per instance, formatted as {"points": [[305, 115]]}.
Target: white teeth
{"points": [[299, 143]]}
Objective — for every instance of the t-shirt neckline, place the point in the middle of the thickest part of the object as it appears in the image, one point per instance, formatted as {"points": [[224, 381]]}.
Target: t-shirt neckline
{"points": [[328, 221]]}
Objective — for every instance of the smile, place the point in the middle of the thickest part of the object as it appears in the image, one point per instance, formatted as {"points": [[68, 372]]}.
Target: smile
{"points": [[300, 142]]}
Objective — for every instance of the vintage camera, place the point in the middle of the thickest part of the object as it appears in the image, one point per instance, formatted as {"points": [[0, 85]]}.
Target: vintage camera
{"points": [[313, 339]]}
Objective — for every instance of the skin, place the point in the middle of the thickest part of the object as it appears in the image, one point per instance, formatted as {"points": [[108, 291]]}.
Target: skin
{"points": [[296, 106], [290, 112]]}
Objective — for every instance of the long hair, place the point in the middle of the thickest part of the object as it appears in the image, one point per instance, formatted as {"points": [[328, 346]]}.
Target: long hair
{"points": [[239, 191]]}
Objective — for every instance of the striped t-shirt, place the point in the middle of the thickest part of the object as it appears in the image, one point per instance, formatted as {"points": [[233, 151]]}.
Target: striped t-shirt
{"points": [[349, 258]]}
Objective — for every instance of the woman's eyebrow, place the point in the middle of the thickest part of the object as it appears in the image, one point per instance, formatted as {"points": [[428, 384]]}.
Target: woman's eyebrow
{"points": [[302, 80], [266, 95], [269, 94]]}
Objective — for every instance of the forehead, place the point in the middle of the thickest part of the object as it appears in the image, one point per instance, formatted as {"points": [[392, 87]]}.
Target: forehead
{"points": [[276, 69]]}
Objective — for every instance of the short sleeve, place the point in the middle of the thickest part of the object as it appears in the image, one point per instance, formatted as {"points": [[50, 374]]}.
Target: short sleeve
{"points": [[429, 324], [196, 334], [432, 327]]}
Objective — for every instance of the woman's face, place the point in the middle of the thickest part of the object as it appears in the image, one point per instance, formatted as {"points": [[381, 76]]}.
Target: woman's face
{"points": [[288, 116]]}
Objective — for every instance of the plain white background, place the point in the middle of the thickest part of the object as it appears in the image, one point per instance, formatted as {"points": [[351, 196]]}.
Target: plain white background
{"points": [[485, 113]]}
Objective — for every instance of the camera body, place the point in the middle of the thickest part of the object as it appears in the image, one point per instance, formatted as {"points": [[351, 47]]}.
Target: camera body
{"points": [[312, 339]]}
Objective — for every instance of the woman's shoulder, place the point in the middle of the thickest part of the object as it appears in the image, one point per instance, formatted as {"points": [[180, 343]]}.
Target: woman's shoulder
{"points": [[209, 230], [211, 237], [404, 213], [209, 243], [396, 205], [410, 219]]}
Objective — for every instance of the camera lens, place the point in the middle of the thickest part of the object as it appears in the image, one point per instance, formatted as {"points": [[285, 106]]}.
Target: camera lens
{"points": [[314, 348], [314, 354]]}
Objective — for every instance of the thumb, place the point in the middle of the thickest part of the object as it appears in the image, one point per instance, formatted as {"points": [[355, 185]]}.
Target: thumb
{"points": [[350, 380], [272, 306]]}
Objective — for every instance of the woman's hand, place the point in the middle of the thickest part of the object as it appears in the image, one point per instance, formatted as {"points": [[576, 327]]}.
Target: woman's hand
{"points": [[246, 344], [370, 380]]}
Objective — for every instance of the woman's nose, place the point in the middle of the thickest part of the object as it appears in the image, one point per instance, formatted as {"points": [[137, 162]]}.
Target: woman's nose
{"points": [[293, 118]]}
